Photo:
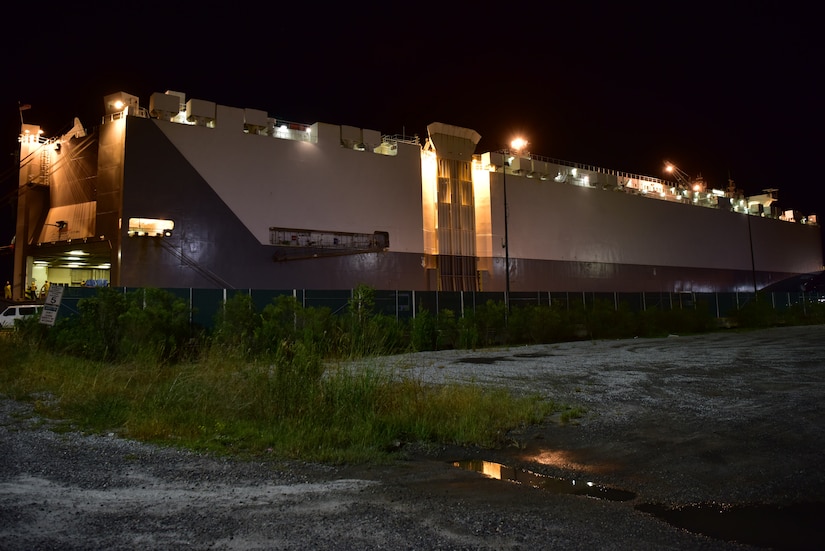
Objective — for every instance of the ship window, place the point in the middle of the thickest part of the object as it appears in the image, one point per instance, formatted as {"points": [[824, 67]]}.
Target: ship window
{"points": [[150, 227]]}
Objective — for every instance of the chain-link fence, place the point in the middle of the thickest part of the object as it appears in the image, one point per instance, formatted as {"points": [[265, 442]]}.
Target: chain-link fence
{"points": [[206, 303]]}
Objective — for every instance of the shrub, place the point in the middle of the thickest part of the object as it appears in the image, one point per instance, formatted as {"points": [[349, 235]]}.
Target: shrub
{"points": [[278, 325], [151, 324], [423, 332], [155, 326], [534, 324], [96, 330], [467, 332], [491, 323], [358, 333], [446, 330], [805, 312], [757, 313], [605, 321], [235, 325]]}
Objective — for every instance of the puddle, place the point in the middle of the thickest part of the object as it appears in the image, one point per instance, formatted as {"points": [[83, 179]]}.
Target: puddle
{"points": [[532, 355], [552, 484], [794, 527], [489, 360], [797, 526]]}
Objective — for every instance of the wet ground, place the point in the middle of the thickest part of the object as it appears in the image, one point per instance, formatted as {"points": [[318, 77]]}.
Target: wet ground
{"points": [[721, 434], [702, 442]]}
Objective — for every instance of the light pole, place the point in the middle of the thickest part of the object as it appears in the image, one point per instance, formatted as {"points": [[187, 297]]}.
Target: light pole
{"points": [[506, 241], [518, 144], [753, 264]]}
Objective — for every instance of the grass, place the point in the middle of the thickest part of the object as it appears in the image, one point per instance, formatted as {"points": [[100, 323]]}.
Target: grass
{"points": [[294, 408], [571, 413], [256, 383]]}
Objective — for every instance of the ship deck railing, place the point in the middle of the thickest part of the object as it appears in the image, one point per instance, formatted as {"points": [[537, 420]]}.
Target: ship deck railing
{"points": [[673, 191]]}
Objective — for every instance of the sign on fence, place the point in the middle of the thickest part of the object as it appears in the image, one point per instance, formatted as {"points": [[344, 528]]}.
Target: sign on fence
{"points": [[52, 305]]}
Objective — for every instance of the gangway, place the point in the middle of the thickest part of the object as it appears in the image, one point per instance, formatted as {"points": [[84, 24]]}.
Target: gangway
{"points": [[296, 244]]}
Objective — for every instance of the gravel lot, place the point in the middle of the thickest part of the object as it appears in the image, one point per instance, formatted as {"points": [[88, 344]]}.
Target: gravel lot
{"points": [[729, 419]]}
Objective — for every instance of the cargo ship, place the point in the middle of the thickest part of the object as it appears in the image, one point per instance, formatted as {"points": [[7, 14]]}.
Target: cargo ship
{"points": [[188, 193]]}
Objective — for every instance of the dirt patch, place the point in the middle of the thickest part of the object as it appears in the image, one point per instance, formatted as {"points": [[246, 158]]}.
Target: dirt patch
{"points": [[731, 419]]}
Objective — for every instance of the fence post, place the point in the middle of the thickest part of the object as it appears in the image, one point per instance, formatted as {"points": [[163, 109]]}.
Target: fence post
{"points": [[295, 315]]}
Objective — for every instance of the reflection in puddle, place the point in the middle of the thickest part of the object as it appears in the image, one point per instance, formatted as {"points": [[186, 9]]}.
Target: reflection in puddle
{"points": [[555, 485], [566, 460], [796, 527], [793, 527]]}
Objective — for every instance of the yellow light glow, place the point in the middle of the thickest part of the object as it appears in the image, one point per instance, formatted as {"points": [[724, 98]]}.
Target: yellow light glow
{"points": [[483, 216], [429, 200], [518, 144], [564, 459], [493, 470]]}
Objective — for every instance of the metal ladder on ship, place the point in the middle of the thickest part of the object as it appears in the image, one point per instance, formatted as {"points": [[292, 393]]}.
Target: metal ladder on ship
{"points": [[45, 164]]}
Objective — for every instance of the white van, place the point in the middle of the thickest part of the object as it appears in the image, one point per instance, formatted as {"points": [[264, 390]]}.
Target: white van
{"points": [[18, 311]]}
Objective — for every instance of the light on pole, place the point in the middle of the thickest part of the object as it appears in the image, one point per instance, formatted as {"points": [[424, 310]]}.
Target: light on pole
{"points": [[517, 144], [506, 240]]}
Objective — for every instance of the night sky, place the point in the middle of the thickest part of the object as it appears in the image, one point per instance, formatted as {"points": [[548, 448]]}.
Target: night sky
{"points": [[719, 91]]}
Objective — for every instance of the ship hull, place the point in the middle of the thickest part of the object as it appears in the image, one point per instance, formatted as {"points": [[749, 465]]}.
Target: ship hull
{"points": [[223, 192]]}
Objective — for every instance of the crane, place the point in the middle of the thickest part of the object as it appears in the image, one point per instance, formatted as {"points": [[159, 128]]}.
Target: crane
{"points": [[684, 181]]}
